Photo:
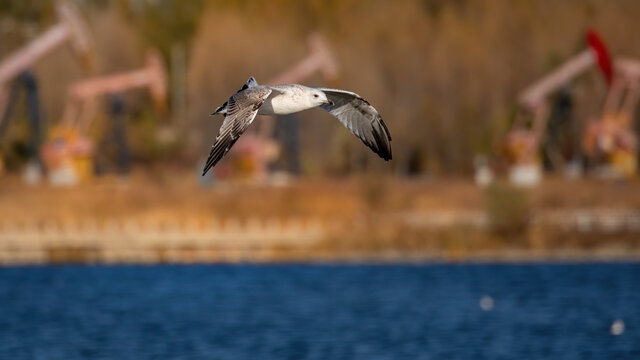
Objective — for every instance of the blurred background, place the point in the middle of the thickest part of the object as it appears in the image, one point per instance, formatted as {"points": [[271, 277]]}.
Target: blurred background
{"points": [[515, 140]]}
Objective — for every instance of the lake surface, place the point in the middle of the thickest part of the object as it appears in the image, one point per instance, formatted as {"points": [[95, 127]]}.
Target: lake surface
{"points": [[321, 312]]}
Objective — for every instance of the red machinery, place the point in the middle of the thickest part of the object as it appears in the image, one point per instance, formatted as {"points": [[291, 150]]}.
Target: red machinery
{"points": [[622, 76]]}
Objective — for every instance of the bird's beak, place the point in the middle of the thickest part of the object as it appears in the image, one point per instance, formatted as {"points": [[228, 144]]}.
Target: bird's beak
{"points": [[329, 102]]}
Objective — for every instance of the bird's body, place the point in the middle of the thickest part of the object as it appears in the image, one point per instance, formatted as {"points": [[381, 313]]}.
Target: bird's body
{"points": [[286, 99], [252, 99]]}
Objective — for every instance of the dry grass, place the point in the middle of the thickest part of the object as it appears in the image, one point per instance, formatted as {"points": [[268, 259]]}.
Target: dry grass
{"points": [[157, 193], [366, 216], [445, 78]]}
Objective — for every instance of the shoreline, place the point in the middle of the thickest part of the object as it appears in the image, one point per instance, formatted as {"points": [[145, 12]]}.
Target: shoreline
{"points": [[316, 251], [383, 220], [562, 259]]}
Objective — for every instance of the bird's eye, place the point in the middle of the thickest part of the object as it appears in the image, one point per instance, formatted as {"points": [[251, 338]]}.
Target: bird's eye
{"points": [[315, 95]]}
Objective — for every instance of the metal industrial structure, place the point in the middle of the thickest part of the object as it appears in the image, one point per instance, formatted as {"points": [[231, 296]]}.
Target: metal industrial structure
{"points": [[608, 142], [70, 28], [82, 95], [68, 153], [611, 141]]}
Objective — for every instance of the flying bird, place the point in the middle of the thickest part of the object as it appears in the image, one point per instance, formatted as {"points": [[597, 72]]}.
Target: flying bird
{"points": [[354, 112]]}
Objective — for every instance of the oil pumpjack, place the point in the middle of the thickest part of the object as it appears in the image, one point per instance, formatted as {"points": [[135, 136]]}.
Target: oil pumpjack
{"points": [[608, 142]]}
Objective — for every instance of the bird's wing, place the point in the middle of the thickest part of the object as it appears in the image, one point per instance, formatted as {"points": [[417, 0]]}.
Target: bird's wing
{"points": [[242, 108], [222, 109], [362, 119]]}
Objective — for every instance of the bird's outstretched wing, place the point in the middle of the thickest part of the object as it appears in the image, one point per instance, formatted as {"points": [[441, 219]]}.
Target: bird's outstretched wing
{"points": [[223, 109], [362, 119], [242, 108]]}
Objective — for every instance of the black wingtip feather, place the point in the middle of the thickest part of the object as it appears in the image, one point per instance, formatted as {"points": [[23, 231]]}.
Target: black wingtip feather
{"points": [[386, 130], [386, 155], [382, 140], [206, 169]]}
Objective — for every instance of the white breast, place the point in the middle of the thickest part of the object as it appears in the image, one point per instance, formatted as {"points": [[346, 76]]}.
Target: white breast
{"points": [[283, 103]]}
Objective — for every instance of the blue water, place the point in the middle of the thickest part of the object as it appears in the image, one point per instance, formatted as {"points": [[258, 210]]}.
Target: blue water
{"points": [[319, 312]]}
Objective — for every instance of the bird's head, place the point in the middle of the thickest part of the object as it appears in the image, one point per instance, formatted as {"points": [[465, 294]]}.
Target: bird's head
{"points": [[318, 97]]}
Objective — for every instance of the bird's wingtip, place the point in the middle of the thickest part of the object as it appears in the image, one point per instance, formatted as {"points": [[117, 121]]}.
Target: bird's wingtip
{"points": [[387, 155]]}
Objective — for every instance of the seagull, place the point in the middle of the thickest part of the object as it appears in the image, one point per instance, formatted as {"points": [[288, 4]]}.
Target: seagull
{"points": [[354, 112]]}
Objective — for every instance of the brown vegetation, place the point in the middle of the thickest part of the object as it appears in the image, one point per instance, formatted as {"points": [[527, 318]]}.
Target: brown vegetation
{"points": [[444, 74]]}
